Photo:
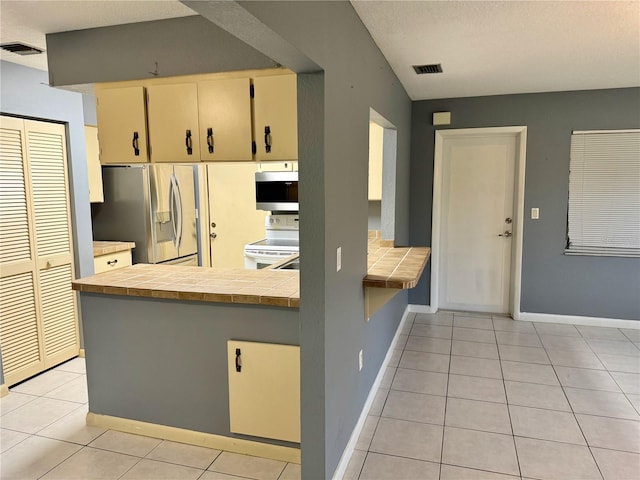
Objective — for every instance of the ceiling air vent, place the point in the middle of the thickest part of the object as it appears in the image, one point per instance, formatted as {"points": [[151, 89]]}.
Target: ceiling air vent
{"points": [[424, 69], [21, 48]]}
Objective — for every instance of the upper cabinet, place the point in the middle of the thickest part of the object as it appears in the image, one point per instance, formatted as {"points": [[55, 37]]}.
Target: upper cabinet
{"points": [[224, 113], [217, 117], [94, 171], [173, 123], [376, 133], [122, 125], [275, 117]]}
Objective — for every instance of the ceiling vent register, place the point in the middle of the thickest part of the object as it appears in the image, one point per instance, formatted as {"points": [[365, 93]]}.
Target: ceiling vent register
{"points": [[21, 48], [425, 69]]}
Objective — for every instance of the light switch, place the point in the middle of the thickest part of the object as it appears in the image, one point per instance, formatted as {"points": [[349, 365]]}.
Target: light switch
{"points": [[535, 213], [338, 259]]}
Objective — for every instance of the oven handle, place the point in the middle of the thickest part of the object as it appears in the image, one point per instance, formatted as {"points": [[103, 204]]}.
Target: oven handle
{"points": [[268, 256]]}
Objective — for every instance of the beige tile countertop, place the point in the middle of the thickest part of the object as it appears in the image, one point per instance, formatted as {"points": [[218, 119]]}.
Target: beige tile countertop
{"points": [[235, 285], [104, 247], [394, 267]]}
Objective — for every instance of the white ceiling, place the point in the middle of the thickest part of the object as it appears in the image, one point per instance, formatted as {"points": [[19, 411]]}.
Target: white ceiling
{"points": [[485, 47]]}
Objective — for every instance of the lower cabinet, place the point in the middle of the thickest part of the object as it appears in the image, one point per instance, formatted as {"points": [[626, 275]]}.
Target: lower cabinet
{"points": [[264, 390], [111, 261]]}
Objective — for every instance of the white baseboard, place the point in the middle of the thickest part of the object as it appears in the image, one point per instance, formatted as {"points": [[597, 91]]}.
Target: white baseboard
{"points": [[201, 439], [577, 320], [4, 390], [421, 308], [348, 451]]}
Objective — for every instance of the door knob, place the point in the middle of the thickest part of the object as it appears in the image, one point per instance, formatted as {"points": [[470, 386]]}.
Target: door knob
{"points": [[213, 235], [508, 220], [506, 234]]}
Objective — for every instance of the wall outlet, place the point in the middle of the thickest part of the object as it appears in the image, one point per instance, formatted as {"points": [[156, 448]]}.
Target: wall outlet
{"points": [[535, 213], [338, 259], [360, 361]]}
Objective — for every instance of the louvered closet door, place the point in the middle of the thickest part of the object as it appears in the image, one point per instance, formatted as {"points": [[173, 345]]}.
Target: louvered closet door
{"points": [[46, 151], [20, 335]]}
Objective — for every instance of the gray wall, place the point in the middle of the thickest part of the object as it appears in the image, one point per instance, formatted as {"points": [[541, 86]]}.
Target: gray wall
{"points": [[180, 46], [333, 115], [356, 78], [375, 212], [165, 361], [552, 283]]}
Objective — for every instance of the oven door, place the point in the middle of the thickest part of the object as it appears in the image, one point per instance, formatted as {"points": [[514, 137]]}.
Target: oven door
{"points": [[257, 260]]}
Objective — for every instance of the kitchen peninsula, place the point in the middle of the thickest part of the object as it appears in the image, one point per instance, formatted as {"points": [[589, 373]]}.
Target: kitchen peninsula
{"points": [[160, 350]]}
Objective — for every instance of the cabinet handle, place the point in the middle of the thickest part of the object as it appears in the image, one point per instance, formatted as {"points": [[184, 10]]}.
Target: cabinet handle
{"points": [[187, 142], [134, 144], [267, 139], [238, 360], [112, 262], [210, 139]]}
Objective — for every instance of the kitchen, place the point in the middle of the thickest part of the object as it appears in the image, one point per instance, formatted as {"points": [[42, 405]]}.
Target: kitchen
{"points": [[168, 228], [180, 300]]}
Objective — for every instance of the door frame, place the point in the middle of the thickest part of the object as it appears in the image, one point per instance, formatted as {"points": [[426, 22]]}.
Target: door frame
{"points": [[515, 283]]}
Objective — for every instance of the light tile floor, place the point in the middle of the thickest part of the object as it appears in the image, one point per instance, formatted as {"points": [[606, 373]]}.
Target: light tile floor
{"points": [[43, 434], [471, 396], [465, 396]]}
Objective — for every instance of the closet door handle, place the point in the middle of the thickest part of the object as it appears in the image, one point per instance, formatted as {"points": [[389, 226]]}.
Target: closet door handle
{"points": [[267, 139], [134, 144], [210, 139], [187, 142]]}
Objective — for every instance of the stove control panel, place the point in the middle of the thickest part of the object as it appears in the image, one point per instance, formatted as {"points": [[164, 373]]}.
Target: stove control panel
{"points": [[282, 222]]}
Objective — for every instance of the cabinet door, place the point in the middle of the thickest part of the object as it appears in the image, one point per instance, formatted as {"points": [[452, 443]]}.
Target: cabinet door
{"points": [[232, 208], [375, 161], [264, 392], [20, 336], [276, 117], [224, 109], [173, 123], [47, 156], [122, 125], [94, 171]]}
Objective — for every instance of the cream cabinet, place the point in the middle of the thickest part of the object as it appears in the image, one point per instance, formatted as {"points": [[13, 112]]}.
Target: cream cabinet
{"points": [[234, 220], [38, 316], [111, 261], [275, 119], [173, 123], [375, 161], [122, 125], [224, 112], [94, 170], [264, 390]]}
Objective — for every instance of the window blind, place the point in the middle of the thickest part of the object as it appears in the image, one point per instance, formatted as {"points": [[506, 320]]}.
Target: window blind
{"points": [[604, 193]]}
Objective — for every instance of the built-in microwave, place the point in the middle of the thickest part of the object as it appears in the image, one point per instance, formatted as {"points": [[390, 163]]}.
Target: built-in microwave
{"points": [[277, 191]]}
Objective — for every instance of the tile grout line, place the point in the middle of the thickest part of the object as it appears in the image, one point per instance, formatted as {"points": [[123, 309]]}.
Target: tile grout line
{"points": [[446, 403], [586, 441], [504, 386]]}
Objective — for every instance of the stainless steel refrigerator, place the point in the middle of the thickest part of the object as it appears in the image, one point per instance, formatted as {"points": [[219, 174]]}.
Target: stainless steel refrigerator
{"points": [[153, 206]]}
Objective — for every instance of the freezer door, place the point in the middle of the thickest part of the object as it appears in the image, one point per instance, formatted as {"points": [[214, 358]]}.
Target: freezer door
{"points": [[164, 216], [187, 232]]}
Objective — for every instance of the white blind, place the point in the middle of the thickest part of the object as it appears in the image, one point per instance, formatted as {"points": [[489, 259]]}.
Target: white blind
{"points": [[604, 193]]}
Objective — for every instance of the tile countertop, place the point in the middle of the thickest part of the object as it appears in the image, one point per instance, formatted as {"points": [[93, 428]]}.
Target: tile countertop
{"points": [[388, 267], [394, 267], [233, 285], [104, 247]]}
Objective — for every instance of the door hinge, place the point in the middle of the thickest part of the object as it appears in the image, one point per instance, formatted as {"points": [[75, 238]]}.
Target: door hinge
{"points": [[252, 91], [254, 149]]}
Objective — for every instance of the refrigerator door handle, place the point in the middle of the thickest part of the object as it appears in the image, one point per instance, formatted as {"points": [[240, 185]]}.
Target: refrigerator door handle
{"points": [[172, 209], [180, 226]]}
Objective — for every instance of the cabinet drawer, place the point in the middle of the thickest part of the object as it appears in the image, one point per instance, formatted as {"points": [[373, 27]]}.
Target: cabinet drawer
{"points": [[112, 261]]}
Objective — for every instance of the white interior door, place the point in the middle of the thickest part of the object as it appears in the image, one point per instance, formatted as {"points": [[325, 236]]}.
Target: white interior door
{"points": [[476, 222]]}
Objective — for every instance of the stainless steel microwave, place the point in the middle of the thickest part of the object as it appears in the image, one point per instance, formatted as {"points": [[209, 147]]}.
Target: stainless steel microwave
{"points": [[277, 191]]}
